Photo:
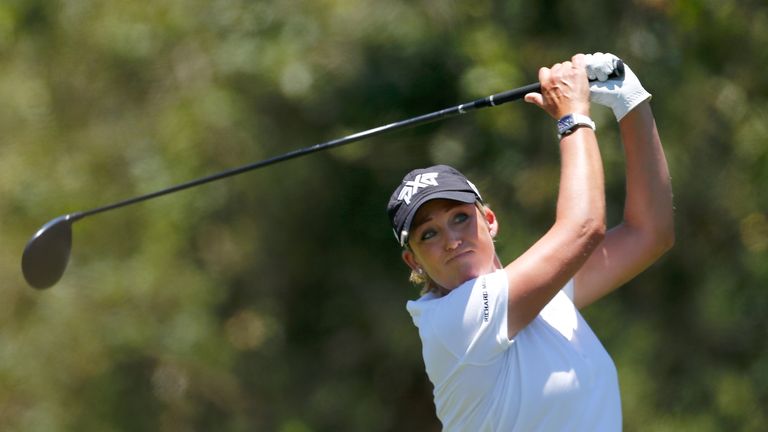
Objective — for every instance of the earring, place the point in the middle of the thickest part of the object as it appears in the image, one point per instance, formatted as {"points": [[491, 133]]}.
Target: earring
{"points": [[420, 271]]}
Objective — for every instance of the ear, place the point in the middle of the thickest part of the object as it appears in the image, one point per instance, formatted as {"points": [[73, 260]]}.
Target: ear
{"points": [[410, 260], [493, 223]]}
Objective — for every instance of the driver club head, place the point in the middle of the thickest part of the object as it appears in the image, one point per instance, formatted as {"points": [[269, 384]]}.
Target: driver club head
{"points": [[47, 253]]}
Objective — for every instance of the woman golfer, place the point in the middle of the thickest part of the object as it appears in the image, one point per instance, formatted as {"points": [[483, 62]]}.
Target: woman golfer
{"points": [[504, 345]]}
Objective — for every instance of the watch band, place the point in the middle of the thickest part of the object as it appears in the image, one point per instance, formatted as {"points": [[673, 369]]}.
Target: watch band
{"points": [[569, 122]]}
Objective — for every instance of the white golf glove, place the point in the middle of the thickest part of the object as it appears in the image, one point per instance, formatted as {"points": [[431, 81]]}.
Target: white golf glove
{"points": [[619, 94]]}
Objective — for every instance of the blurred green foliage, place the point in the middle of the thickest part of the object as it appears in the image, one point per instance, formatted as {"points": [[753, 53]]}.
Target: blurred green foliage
{"points": [[275, 300]]}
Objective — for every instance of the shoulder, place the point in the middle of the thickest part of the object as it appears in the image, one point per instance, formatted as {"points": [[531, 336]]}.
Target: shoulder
{"points": [[477, 307], [479, 288]]}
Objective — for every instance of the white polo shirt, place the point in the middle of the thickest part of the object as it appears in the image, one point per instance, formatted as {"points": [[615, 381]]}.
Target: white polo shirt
{"points": [[554, 375]]}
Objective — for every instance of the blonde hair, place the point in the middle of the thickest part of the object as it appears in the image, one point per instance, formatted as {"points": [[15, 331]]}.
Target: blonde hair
{"points": [[427, 284]]}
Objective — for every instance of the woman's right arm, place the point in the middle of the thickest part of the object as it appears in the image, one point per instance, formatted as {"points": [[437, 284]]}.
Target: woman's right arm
{"points": [[541, 271]]}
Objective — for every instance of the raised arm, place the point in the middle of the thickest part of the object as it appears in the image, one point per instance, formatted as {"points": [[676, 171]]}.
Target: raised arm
{"points": [[539, 273], [647, 229]]}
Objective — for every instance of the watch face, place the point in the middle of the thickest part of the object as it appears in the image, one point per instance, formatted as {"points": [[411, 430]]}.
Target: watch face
{"points": [[565, 123]]}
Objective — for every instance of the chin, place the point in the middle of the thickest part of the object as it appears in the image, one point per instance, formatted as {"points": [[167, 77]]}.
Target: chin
{"points": [[478, 270], [472, 272], [469, 275]]}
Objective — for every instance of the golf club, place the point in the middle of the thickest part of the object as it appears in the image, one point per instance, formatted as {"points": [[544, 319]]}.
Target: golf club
{"points": [[47, 253]]}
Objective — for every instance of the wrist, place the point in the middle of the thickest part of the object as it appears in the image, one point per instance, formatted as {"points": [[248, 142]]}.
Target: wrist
{"points": [[570, 122], [629, 101]]}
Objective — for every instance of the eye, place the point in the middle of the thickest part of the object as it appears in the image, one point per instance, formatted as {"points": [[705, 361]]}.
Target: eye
{"points": [[460, 217], [427, 234]]}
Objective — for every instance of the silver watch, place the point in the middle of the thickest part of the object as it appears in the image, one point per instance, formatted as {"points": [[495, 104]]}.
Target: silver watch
{"points": [[569, 122]]}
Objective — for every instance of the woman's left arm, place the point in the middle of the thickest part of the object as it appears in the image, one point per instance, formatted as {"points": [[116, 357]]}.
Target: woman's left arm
{"points": [[647, 230]]}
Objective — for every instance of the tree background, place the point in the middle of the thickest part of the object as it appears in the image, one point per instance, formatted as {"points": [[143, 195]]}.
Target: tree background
{"points": [[275, 300]]}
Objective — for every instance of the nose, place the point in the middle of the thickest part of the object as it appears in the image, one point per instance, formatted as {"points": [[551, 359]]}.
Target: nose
{"points": [[452, 242]]}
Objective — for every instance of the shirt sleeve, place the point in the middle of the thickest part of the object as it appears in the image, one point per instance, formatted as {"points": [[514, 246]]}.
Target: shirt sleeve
{"points": [[471, 321]]}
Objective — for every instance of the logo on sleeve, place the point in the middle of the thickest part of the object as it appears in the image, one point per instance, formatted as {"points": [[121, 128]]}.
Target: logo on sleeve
{"points": [[411, 188], [486, 306]]}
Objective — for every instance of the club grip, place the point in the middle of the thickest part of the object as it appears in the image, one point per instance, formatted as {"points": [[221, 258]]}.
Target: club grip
{"points": [[520, 92], [618, 71]]}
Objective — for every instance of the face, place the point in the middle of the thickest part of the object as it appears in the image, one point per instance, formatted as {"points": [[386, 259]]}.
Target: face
{"points": [[452, 242]]}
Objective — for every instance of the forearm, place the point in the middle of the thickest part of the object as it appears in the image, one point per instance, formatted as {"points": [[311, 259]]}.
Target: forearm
{"points": [[581, 196], [648, 205]]}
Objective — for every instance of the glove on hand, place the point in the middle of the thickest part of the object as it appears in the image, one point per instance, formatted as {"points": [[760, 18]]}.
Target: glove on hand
{"points": [[619, 94]]}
